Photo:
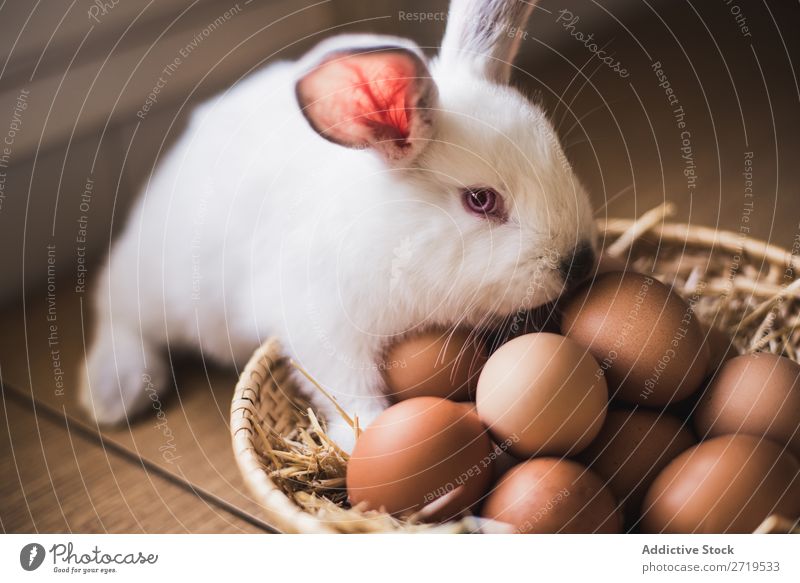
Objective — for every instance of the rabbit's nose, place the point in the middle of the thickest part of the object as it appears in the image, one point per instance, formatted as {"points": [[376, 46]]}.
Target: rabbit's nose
{"points": [[576, 266]]}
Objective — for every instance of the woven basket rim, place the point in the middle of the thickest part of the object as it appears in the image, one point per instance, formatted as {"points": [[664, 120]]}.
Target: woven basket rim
{"points": [[283, 514], [287, 517], [697, 235]]}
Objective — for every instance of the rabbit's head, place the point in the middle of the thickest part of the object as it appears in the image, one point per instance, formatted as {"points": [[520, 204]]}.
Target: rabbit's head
{"points": [[505, 225]]}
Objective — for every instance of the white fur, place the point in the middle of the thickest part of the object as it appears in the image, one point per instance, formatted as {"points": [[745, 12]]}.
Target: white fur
{"points": [[330, 249]]}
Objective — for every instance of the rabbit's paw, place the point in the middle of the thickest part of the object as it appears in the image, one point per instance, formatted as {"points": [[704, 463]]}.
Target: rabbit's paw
{"points": [[119, 380]]}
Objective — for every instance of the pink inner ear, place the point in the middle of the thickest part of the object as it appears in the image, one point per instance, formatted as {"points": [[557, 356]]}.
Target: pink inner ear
{"points": [[362, 98]]}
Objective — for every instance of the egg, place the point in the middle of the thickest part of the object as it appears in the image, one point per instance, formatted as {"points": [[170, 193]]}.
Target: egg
{"points": [[632, 448], [426, 455], [645, 337], [437, 363], [553, 495], [756, 394], [729, 483], [543, 395]]}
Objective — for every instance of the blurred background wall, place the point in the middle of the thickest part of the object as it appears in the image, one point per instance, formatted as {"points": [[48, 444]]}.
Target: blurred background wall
{"points": [[78, 135]]}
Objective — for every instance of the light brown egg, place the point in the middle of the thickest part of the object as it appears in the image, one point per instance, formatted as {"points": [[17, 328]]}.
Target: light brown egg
{"points": [[425, 454], [756, 394], [543, 395], [552, 495], [437, 363], [645, 337], [632, 448], [726, 484]]}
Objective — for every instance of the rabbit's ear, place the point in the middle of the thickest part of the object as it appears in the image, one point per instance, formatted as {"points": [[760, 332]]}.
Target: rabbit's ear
{"points": [[485, 35], [378, 97]]}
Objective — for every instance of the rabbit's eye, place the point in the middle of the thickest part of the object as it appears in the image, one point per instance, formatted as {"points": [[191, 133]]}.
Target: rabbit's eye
{"points": [[482, 201]]}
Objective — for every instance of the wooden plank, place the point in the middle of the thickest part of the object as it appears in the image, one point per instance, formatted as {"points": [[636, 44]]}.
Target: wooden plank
{"points": [[622, 134], [30, 30], [168, 64], [192, 442], [66, 194], [55, 480]]}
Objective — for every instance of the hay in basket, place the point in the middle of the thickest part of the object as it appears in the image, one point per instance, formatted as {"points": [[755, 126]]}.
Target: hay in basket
{"points": [[745, 287]]}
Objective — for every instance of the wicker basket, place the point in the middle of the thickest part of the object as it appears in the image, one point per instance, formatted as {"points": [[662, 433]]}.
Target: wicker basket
{"points": [[745, 287]]}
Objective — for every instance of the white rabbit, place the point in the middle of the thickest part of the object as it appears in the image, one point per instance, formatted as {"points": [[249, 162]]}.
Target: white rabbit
{"points": [[336, 203]]}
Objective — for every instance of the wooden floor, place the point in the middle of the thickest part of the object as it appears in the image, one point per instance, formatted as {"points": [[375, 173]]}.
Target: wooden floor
{"points": [[62, 474]]}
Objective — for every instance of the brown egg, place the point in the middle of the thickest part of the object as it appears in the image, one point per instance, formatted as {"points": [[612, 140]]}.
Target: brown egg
{"points": [[720, 347], [542, 394], [426, 454], [726, 484], [552, 495], [435, 364], [632, 448], [644, 336], [756, 394]]}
